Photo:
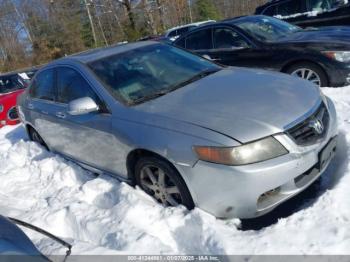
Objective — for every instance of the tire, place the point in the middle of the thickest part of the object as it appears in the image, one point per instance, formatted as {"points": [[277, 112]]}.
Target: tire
{"points": [[296, 70], [35, 137], [172, 179]]}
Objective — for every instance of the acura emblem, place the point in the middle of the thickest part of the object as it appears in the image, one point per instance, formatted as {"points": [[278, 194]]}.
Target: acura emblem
{"points": [[317, 126]]}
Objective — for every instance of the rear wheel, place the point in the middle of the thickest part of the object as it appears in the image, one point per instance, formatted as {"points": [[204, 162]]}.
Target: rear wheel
{"points": [[310, 72], [35, 137], [160, 180]]}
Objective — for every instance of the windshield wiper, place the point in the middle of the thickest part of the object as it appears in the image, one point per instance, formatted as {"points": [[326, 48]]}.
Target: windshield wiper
{"points": [[194, 79], [163, 92], [45, 233], [150, 96]]}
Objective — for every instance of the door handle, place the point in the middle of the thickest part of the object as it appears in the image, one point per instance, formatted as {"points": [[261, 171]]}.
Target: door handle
{"points": [[45, 112], [30, 106], [61, 115]]}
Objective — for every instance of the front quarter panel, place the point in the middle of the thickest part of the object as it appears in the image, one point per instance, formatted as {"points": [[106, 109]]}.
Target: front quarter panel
{"points": [[175, 146]]}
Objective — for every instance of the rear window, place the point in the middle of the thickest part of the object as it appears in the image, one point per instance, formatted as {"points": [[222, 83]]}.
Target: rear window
{"points": [[200, 40]]}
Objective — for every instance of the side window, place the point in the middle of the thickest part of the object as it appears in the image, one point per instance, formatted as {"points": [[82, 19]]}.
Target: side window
{"points": [[270, 11], [181, 43], [172, 33], [290, 7], [71, 85], [43, 86], [227, 38], [319, 5], [183, 30], [200, 40]]}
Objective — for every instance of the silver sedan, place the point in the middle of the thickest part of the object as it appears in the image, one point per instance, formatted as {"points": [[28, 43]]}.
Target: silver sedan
{"points": [[234, 142]]}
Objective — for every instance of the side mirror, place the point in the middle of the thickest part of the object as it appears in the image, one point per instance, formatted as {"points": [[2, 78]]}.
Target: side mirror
{"points": [[82, 106]]}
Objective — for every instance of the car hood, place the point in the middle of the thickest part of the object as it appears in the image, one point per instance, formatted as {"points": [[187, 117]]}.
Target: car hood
{"points": [[331, 34], [14, 241], [244, 104]]}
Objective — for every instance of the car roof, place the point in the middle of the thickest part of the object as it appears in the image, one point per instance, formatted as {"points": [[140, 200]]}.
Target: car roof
{"points": [[229, 21], [98, 53], [188, 25]]}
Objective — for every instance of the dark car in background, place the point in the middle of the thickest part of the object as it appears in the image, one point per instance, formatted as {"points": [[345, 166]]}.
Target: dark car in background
{"points": [[308, 13], [321, 56]]}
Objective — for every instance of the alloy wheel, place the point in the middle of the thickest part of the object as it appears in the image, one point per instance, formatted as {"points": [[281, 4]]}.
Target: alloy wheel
{"points": [[307, 74], [157, 183]]}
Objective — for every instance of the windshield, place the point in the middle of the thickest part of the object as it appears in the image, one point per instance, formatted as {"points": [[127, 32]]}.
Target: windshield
{"points": [[10, 84], [145, 73], [266, 29]]}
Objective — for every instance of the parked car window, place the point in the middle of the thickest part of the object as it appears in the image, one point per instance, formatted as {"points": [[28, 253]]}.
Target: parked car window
{"points": [[270, 11], [319, 5], [227, 38], [10, 83], [181, 42], [183, 30], [200, 40], [43, 86], [289, 8], [71, 85], [150, 71], [267, 29], [173, 33]]}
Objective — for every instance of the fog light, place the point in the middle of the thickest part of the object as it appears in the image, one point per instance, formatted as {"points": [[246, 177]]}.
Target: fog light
{"points": [[3, 122], [348, 79], [269, 194]]}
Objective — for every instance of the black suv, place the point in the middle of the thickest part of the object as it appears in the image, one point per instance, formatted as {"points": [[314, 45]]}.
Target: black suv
{"points": [[308, 13]]}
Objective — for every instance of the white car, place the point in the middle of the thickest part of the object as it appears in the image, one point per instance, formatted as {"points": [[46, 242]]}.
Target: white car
{"points": [[175, 32]]}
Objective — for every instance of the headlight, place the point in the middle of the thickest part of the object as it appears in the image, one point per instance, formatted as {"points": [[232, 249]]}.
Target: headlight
{"points": [[341, 56], [254, 152], [1, 108]]}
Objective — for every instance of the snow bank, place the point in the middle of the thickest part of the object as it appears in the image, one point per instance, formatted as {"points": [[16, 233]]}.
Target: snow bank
{"points": [[102, 216]]}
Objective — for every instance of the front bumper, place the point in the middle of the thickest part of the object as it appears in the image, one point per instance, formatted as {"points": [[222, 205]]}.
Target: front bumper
{"points": [[253, 190]]}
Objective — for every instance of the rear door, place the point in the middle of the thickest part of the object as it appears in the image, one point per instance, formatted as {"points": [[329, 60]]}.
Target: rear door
{"points": [[41, 104], [234, 49], [231, 48]]}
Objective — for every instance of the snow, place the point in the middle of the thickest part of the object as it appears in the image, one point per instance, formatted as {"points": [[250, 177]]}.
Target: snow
{"points": [[100, 215]]}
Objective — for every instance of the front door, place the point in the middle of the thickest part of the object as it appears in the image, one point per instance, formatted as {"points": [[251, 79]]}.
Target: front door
{"points": [[86, 138], [232, 49]]}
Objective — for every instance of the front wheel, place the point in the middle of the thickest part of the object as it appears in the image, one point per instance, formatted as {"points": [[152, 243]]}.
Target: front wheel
{"points": [[160, 180], [310, 72]]}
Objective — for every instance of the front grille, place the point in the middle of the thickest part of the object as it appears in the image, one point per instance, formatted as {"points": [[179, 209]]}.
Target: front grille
{"points": [[12, 114], [312, 129]]}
